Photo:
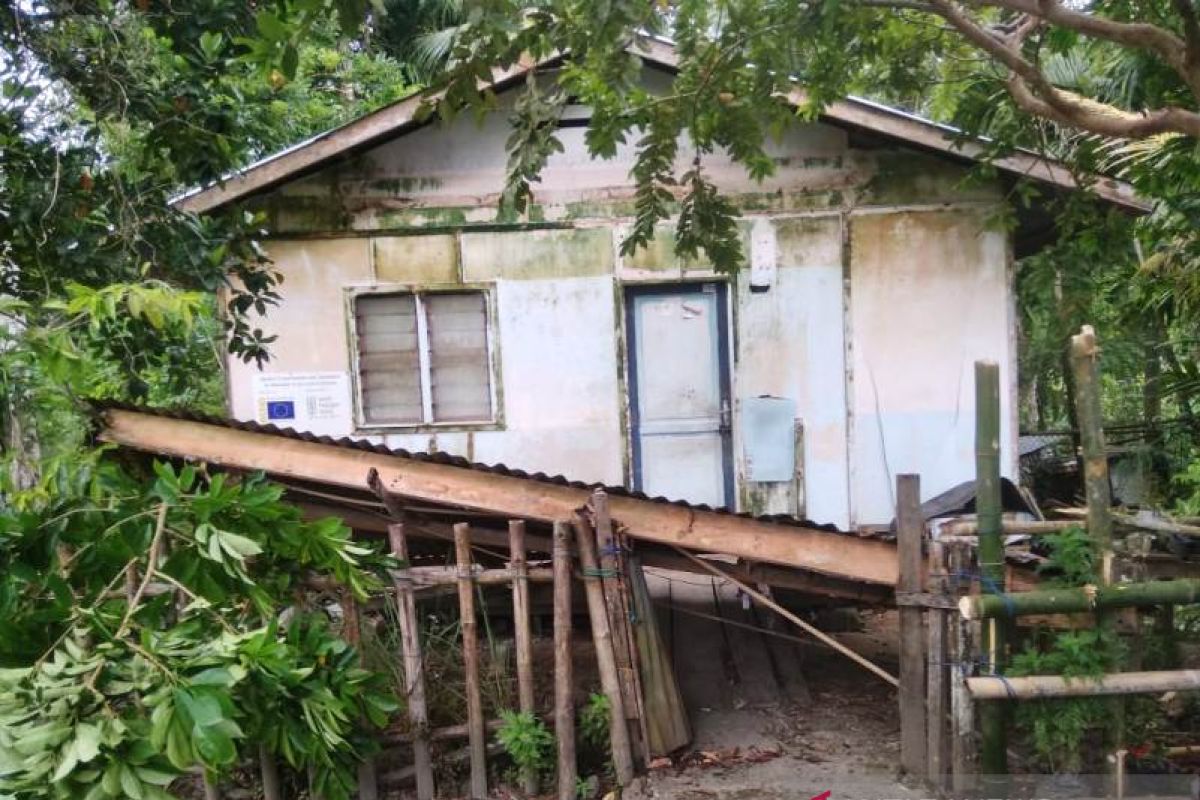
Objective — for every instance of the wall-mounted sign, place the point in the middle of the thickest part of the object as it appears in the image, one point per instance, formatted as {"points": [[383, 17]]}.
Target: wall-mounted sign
{"points": [[316, 402]]}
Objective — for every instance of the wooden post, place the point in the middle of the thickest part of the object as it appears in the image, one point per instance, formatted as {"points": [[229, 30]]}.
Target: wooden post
{"points": [[269, 771], [937, 748], [564, 700], [616, 598], [1094, 457], [522, 633], [476, 734], [910, 531], [368, 783], [992, 718], [610, 681], [414, 673], [962, 711]]}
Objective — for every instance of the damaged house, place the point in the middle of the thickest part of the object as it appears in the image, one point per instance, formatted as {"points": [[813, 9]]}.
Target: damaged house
{"points": [[414, 317]]}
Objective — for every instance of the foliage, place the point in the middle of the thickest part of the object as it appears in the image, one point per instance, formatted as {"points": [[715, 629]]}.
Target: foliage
{"points": [[1071, 558], [594, 719], [149, 626], [527, 742]]}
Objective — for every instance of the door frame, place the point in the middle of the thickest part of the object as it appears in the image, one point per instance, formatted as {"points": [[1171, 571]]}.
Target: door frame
{"points": [[632, 291]]}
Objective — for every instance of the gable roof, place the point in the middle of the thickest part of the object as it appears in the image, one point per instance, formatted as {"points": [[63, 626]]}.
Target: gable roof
{"points": [[854, 113]]}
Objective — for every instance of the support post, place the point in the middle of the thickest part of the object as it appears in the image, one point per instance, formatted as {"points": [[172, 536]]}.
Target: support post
{"points": [[564, 702], [610, 682], [962, 710], [414, 671], [937, 748], [522, 633], [476, 735], [910, 529], [993, 719]]}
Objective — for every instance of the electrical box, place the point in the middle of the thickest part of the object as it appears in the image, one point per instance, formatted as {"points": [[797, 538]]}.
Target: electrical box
{"points": [[769, 438]]}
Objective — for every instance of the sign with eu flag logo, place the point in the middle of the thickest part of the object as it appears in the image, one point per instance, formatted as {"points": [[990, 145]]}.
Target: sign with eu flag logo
{"points": [[315, 402], [281, 409]]}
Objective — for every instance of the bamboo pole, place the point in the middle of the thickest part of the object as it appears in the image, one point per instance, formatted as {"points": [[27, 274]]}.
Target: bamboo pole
{"points": [[1034, 687], [1084, 357], [790, 617], [1083, 599], [522, 633], [414, 671], [1009, 527], [910, 528], [564, 701], [616, 597], [269, 772], [470, 641], [993, 719], [610, 681], [937, 749]]}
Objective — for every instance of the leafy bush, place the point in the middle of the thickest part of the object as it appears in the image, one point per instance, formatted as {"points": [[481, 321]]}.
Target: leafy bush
{"points": [[142, 624], [527, 742], [594, 721]]}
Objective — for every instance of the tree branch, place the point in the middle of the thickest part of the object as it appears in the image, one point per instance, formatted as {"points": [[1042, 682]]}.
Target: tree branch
{"points": [[1191, 32], [1035, 94]]}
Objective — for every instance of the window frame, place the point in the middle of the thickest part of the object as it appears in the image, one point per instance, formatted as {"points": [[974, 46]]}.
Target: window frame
{"points": [[417, 291]]}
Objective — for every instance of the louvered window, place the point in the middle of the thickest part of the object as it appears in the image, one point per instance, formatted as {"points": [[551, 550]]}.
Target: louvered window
{"points": [[423, 358]]}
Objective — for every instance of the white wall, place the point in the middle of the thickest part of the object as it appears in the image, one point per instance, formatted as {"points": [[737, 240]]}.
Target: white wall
{"points": [[929, 296]]}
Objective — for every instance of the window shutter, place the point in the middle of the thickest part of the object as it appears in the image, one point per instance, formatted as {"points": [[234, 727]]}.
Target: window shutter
{"points": [[458, 356], [388, 361]]}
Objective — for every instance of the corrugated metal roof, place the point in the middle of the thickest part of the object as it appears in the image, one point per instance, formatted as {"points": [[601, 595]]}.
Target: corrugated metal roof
{"points": [[455, 461]]}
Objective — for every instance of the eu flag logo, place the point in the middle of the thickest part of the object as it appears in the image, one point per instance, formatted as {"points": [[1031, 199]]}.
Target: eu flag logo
{"points": [[281, 409]]}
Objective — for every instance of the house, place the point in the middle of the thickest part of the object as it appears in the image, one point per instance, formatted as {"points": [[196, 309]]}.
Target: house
{"points": [[415, 317]]}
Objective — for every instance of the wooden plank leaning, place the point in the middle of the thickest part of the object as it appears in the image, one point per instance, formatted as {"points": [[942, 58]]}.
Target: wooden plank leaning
{"points": [[610, 681]]}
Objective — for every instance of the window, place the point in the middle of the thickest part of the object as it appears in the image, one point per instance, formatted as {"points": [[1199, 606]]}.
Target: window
{"points": [[423, 358]]}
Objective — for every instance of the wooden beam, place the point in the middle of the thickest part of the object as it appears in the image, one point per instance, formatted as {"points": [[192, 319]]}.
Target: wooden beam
{"points": [[831, 554]]}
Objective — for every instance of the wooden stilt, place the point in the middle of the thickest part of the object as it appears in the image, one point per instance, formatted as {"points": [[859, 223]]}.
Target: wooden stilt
{"points": [[910, 530], [269, 772], [414, 672], [564, 701], [937, 747], [470, 640], [368, 783], [522, 634], [616, 598], [610, 681]]}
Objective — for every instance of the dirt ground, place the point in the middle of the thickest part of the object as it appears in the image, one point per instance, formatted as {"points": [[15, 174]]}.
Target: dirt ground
{"points": [[773, 718]]}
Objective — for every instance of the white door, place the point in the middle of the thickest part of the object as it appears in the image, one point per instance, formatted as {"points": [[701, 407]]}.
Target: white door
{"points": [[679, 390]]}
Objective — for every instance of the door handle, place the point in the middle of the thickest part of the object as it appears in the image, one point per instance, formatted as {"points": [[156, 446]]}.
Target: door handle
{"points": [[726, 416]]}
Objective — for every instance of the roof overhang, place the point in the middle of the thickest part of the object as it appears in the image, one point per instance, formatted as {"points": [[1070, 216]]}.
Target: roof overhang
{"points": [[341, 467], [408, 114]]}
